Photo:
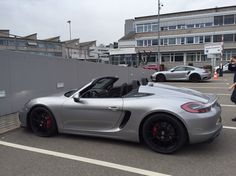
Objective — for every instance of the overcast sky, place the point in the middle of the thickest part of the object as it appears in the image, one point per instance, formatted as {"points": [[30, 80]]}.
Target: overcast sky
{"points": [[101, 20]]}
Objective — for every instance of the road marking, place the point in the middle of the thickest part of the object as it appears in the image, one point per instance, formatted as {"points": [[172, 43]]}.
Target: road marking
{"points": [[224, 94], [207, 87], [228, 127], [225, 105], [83, 159]]}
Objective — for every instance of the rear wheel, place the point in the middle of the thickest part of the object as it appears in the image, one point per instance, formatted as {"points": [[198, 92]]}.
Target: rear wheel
{"points": [[163, 133], [42, 122], [160, 78], [194, 78]]}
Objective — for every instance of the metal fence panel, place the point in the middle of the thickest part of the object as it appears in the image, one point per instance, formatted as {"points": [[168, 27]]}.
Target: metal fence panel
{"points": [[24, 76]]}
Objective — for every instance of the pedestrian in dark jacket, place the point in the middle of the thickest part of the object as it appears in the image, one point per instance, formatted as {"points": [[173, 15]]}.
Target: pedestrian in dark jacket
{"points": [[232, 67]]}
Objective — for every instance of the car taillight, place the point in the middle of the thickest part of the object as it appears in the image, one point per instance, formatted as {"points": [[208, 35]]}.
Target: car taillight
{"points": [[195, 107]]}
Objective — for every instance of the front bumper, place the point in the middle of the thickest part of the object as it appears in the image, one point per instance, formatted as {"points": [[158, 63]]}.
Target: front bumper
{"points": [[23, 117]]}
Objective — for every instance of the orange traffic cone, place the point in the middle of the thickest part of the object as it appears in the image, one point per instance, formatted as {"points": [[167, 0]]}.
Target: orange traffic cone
{"points": [[215, 76]]}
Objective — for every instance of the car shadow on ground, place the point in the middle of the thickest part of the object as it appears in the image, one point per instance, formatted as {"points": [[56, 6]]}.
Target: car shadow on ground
{"points": [[188, 149]]}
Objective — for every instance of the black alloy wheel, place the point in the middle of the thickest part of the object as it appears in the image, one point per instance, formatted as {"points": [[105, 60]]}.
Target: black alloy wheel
{"points": [[195, 78], [160, 78], [163, 133], [42, 122]]}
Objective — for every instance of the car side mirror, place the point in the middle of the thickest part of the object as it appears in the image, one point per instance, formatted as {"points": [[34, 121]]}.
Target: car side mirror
{"points": [[76, 98], [172, 70]]}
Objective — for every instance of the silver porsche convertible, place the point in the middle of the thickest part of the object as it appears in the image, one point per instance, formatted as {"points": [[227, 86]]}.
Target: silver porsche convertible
{"points": [[163, 117]]}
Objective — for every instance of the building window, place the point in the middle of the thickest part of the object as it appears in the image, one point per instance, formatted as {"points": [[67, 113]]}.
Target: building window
{"points": [[208, 24], [181, 26], [139, 28], [147, 28], [165, 58], [200, 25], [191, 57], [172, 27], [179, 57], [155, 42], [147, 42], [3, 42], [196, 39], [21, 43], [172, 41], [189, 26], [154, 27], [200, 39], [218, 20], [140, 43], [207, 39], [165, 41], [189, 40], [217, 38], [164, 28], [180, 41], [229, 19], [228, 38]]}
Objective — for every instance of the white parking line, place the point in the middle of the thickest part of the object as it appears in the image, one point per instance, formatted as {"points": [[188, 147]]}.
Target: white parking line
{"points": [[228, 127], [224, 94], [83, 159], [206, 87], [226, 105]]}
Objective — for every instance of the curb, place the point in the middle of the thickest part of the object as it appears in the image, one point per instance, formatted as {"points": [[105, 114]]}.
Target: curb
{"points": [[9, 122]]}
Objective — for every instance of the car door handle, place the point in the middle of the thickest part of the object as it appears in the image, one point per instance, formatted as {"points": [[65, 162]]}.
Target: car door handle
{"points": [[113, 108]]}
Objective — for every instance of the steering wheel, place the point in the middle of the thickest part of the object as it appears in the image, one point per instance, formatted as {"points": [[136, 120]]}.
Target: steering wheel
{"points": [[93, 93]]}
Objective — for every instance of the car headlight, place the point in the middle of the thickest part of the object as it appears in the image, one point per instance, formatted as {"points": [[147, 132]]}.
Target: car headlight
{"points": [[195, 107]]}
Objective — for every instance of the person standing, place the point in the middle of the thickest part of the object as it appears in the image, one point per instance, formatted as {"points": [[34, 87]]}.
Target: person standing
{"points": [[232, 67]]}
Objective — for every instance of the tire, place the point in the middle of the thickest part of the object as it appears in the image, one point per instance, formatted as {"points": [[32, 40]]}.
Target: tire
{"points": [[163, 133], [42, 122], [195, 78], [160, 78]]}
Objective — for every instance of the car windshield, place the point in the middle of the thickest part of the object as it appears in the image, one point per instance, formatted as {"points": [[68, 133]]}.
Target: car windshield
{"points": [[69, 93]]}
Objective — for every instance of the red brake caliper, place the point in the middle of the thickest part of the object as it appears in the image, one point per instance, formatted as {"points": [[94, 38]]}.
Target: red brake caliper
{"points": [[154, 130], [49, 122]]}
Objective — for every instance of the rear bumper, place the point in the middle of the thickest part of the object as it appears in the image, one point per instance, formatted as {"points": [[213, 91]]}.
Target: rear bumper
{"points": [[206, 77], [206, 136], [199, 135]]}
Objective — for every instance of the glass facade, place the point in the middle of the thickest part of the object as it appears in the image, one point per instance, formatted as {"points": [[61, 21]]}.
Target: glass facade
{"points": [[206, 22], [187, 40]]}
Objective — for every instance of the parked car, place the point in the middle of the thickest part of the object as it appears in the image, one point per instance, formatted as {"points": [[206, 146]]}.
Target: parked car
{"points": [[151, 67], [188, 73], [225, 68], [163, 117]]}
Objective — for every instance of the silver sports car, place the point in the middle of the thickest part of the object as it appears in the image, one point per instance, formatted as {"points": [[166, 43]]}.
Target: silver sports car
{"points": [[163, 117], [188, 73]]}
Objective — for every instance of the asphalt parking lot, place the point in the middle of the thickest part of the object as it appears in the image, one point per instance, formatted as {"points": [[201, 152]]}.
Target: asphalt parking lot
{"points": [[21, 151]]}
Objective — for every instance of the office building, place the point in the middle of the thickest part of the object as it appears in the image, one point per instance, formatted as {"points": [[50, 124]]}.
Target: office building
{"points": [[183, 37]]}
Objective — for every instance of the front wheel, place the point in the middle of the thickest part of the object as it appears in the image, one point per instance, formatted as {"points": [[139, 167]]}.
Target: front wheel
{"points": [[163, 133], [160, 78], [42, 122]]}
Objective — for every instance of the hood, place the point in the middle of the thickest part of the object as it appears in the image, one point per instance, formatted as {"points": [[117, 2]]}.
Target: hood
{"points": [[167, 91]]}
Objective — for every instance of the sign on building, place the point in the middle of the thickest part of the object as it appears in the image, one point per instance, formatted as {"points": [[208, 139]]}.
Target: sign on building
{"points": [[213, 48]]}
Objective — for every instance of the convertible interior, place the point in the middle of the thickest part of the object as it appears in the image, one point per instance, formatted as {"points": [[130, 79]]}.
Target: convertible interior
{"points": [[104, 88]]}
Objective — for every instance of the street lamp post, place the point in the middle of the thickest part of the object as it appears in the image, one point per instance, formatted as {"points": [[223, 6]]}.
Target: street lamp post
{"points": [[158, 33], [69, 22]]}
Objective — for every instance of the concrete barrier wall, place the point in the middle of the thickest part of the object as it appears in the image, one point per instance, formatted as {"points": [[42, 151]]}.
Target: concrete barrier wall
{"points": [[24, 76]]}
